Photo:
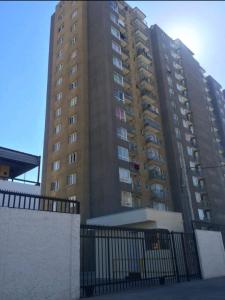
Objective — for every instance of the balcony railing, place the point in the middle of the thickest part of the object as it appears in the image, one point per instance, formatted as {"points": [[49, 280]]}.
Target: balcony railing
{"points": [[156, 175], [143, 52], [150, 139], [151, 123], [38, 203]]}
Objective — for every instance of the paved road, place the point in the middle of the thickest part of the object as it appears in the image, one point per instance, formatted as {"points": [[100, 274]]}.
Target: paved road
{"points": [[211, 289]]}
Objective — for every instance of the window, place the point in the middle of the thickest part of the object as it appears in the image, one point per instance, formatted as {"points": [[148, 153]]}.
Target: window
{"points": [[59, 96], [72, 119], [73, 70], [56, 147], [157, 190], [74, 54], [72, 198], [198, 197], [119, 95], [177, 132], [153, 154], [73, 41], [58, 112], [57, 129], [189, 151], [73, 85], [60, 40], [74, 14], [118, 78], [72, 157], [114, 6], [120, 114], [126, 199], [123, 153], [185, 124], [56, 165], [122, 133], [59, 67], [116, 47], [201, 214], [60, 54], [72, 138], [195, 181], [73, 101], [60, 28], [59, 81], [71, 179], [114, 19], [117, 63], [124, 175], [159, 206], [73, 27], [115, 32], [55, 186]]}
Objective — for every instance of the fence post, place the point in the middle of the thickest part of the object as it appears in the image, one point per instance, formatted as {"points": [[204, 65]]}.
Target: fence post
{"points": [[143, 249], [185, 257], [175, 257]]}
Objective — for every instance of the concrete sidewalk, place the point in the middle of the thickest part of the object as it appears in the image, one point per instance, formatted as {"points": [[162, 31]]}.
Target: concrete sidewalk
{"points": [[211, 289]]}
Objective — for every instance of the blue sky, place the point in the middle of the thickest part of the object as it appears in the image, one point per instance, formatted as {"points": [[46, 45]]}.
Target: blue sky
{"points": [[24, 57]]}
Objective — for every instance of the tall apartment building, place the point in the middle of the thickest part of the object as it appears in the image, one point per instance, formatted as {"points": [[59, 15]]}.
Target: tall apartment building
{"points": [[194, 159], [103, 134]]}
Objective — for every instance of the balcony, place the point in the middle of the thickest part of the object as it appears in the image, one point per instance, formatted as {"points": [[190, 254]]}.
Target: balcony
{"points": [[140, 43], [161, 194], [134, 167], [126, 83], [129, 113], [144, 56], [126, 68], [125, 53], [131, 131], [149, 138], [150, 110], [148, 96], [153, 174], [128, 98], [133, 149], [151, 123], [146, 83], [136, 189], [144, 68], [123, 39]]}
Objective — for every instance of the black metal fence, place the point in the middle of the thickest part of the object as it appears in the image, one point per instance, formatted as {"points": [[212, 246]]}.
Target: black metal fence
{"points": [[115, 258], [35, 202]]}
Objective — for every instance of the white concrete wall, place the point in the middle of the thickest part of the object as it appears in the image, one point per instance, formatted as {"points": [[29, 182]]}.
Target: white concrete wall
{"points": [[211, 253], [20, 187], [39, 255]]}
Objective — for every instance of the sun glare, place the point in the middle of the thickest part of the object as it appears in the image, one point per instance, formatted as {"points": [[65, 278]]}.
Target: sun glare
{"points": [[189, 36]]}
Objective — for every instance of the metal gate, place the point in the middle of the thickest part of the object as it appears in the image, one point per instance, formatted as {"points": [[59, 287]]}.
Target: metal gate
{"points": [[115, 258]]}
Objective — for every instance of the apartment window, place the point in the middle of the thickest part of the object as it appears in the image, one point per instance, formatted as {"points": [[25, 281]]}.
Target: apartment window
{"points": [[73, 41], [60, 17], [157, 189], [56, 147], [72, 119], [74, 54], [189, 151], [195, 181], [60, 40], [114, 19], [115, 32], [73, 85], [121, 114], [114, 6], [59, 81], [122, 133], [124, 175], [159, 206], [118, 78], [201, 214], [152, 154], [119, 95], [58, 112], [117, 63], [185, 124], [71, 179], [123, 153], [59, 96], [59, 68], [126, 199], [58, 128], [60, 28], [72, 138], [73, 27], [177, 132], [60, 54], [72, 158], [73, 70], [171, 92], [74, 14], [55, 186], [56, 165], [198, 197], [73, 101], [116, 47]]}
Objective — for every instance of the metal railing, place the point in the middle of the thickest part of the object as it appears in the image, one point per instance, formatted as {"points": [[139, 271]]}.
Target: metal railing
{"points": [[39, 203], [118, 258]]}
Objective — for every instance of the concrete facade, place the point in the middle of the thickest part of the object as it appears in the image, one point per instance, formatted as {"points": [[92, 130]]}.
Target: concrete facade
{"points": [[145, 218], [39, 255], [211, 253]]}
